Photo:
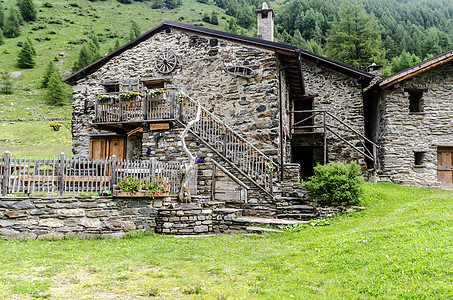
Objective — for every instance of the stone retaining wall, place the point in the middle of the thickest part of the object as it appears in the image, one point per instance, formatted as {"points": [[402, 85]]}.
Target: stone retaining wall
{"points": [[87, 217]]}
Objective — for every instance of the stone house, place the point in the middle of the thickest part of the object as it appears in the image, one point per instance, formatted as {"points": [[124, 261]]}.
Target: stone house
{"points": [[410, 115], [274, 108]]}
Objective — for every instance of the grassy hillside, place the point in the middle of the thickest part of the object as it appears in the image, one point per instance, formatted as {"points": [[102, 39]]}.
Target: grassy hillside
{"points": [[64, 27], [399, 247]]}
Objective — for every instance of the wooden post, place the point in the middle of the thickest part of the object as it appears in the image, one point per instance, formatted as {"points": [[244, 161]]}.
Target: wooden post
{"points": [[153, 167], [96, 110], [6, 172], [271, 187], [172, 105], [113, 169], [224, 139], [61, 174]]}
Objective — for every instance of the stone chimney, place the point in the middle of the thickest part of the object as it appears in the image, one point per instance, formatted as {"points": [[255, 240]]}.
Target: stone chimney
{"points": [[265, 17], [376, 71]]}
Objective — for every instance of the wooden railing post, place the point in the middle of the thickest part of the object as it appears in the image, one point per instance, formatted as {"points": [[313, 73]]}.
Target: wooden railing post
{"points": [[224, 139], [145, 106], [61, 174], [6, 172], [96, 110], [113, 171], [172, 105], [152, 165]]}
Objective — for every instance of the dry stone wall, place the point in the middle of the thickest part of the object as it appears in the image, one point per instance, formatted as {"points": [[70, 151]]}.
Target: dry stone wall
{"points": [[340, 95], [401, 133], [249, 105]]}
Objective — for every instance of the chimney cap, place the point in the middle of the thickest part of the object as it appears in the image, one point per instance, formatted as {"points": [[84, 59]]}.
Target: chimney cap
{"points": [[265, 6]]}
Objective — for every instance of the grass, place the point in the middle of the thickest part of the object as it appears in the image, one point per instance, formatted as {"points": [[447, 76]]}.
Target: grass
{"points": [[79, 20], [400, 247]]}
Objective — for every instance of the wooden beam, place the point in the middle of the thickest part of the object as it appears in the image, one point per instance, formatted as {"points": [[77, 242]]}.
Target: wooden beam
{"points": [[134, 131], [159, 126]]}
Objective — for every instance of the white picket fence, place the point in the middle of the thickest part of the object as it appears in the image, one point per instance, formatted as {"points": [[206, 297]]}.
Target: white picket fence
{"points": [[80, 175]]}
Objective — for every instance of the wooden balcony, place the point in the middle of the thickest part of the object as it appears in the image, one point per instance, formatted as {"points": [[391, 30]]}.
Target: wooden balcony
{"points": [[135, 108]]}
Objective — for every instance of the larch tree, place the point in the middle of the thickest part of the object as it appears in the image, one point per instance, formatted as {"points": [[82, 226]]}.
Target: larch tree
{"points": [[55, 91], [25, 58], [50, 70], [135, 30], [355, 38], [27, 10], [11, 28]]}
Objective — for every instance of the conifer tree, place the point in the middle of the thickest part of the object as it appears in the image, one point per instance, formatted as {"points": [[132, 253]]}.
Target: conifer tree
{"points": [[232, 26], [6, 85], [214, 19], [55, 91], [83, 60], [135, 30], [355, 38], [404, 61], [25, 58], [298, 40], [11, 27], [51, 69], [27, 10], [1, 38], [94, 51], [2, 17]]}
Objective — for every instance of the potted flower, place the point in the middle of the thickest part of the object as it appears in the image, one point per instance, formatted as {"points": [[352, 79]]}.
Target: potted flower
{"points": [[133, 187], [130, 95], [158, 94]]}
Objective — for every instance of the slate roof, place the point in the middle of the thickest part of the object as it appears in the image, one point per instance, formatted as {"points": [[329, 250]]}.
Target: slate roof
{"points": [[287, 54], [412, 71]]}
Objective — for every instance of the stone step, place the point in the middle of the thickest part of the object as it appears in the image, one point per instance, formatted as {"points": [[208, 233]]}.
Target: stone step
{"points": [[296, 207], [268, 221], [262, 229], [297, 216]]}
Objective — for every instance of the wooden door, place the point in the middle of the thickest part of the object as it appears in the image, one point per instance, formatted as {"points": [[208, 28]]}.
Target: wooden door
{"points": [[106, 147], [445, 166]]}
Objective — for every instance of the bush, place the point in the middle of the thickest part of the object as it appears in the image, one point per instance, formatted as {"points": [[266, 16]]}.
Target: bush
{"points": [[336, 184]]}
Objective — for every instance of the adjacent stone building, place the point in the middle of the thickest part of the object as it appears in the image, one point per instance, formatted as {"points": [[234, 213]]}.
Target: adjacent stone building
{"points": [[410, 115]]}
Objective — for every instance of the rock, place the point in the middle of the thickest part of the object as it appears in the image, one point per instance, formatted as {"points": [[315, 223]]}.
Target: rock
{"points": [[25, 204], [62, 53], [91, 223], [15, 74], [15, 214], [51, 236], [201, 228], [51, 223]]}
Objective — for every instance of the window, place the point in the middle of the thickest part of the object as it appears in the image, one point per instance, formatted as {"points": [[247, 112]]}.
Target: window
{"points": [[264, 15], [113, 88], [415, 99], [154, 84], [419, 158]]}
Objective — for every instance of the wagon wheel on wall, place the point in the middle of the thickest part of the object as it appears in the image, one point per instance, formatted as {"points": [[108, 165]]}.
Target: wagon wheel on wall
{"points": [[166, 61]]}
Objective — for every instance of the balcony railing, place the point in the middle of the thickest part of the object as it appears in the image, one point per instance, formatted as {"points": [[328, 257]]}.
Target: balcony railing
{"points": [[147, 105]]}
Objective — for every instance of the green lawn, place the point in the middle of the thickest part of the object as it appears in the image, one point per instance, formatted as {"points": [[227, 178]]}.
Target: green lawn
{"points": [[399, 247]]}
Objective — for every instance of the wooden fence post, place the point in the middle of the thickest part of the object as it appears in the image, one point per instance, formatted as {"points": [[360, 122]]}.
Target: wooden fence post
{"points": [[6, 172], [113, 171], [61, 174]]}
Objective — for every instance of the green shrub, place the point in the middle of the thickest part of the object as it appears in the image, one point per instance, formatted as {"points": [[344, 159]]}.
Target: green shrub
{"points": [[336, 184]]}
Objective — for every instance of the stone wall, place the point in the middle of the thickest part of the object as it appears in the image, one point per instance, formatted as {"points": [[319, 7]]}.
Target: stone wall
{"points": [[340, 95], [401, 133], [250, 106], [88, 217]]}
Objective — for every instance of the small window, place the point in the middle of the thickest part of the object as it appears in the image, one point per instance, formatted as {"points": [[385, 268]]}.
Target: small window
{"points": [[113, 88], [213, 42], [415, 101], [154, 84], [419, 158], [264, 15]]}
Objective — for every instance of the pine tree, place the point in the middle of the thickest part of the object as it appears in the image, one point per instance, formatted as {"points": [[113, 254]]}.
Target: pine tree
{"points": [[2, 38], [11, 28], [2, 17], [51, 68], [27, 10], [404, 61], [135, 30], [83, 60], [232, 26], [94, 51], [6, 85], [55, 91], [25, 58], [355, 38], [214, 19], [298, 40]]}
